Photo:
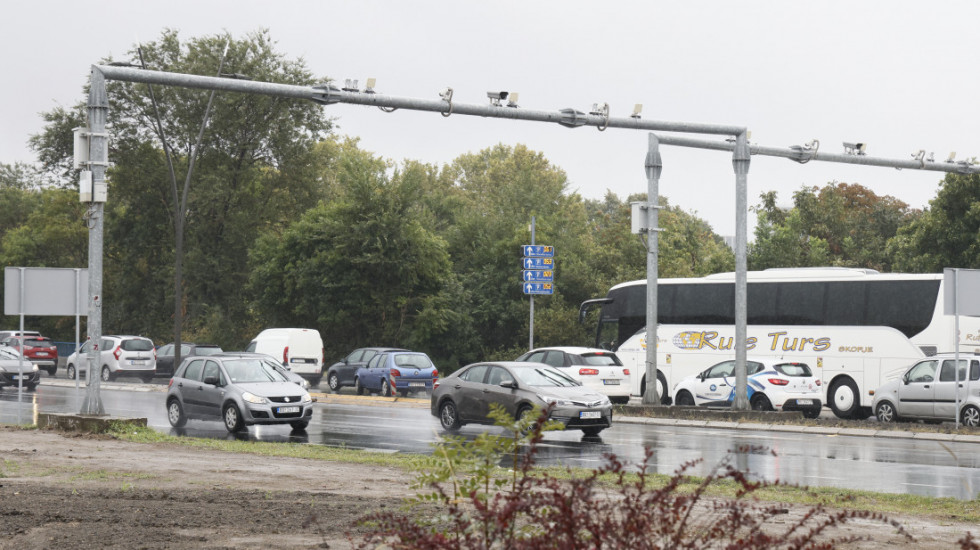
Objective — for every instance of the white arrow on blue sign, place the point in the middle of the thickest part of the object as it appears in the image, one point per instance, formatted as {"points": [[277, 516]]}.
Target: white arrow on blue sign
{"points": [[539, 288], [539, 276], [538, 250], [539, 263]]}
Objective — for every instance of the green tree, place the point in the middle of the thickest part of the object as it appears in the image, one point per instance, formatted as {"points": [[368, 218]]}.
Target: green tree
{"points": [[840, 224], [255, 169], [365, 269], [947, 234]]}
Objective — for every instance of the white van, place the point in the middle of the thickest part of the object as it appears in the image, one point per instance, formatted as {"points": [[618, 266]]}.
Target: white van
{"points": [[299, 349]]}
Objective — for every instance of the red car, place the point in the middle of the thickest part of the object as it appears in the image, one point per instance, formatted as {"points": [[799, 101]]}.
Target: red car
{"points": [[39, 350]]}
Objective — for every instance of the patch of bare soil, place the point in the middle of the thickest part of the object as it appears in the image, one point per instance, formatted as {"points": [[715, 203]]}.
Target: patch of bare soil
{"points": [[70, 491]]}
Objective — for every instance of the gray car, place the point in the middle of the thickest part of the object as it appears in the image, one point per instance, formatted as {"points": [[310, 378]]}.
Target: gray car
{"points": [[930, 391], [240, 390], [465, 396]]}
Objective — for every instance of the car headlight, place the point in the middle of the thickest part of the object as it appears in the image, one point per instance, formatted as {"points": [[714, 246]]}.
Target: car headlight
{"points": [[305, 384], [35, 368], [306, 398], [551, 399], [252, 398]]}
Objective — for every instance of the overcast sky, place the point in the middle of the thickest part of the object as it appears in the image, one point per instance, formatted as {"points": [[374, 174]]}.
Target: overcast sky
{"points": [[897, 75]]}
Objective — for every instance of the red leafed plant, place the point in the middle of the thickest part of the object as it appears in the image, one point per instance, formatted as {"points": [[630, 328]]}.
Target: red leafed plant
{"points": [[472, 504]]}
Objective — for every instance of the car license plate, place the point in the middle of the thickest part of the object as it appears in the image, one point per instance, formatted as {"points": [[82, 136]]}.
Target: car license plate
{"points": [[42, 354], [610, 382], [590, 414], [137, 362], [16, 377], [804, 401], [287, 410], [416, 384]]}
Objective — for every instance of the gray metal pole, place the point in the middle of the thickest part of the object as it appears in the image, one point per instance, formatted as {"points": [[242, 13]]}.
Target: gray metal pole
{"points": [[740, 161], [654, 166], [530, 342], [98, 109], [78, 306]]}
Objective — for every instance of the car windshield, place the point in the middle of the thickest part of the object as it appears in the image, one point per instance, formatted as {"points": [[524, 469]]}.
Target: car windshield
{"points": [[38, 342], [794, 369], [417, 361], [543, 377], [208, 350], [9, 353], [251, 370]]}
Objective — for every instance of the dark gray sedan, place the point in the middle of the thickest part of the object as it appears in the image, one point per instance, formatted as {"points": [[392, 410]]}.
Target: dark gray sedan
{"points": [[465, 396], [240, 390]]}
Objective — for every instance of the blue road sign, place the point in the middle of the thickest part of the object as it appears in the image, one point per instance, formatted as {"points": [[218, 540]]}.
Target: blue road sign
{"points": [[539, 250], [539, 276], [538, 263], [539, 288]]}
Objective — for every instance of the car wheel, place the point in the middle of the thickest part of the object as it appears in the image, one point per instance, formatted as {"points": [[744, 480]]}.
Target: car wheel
{"points": [[71, 371], [233, 418], [358, 388], [885, 412], [146, 379], [30, 387], [844, 399], [620, 400], [299, 425], [175, 413], [684, 399], [385, 388], [592, 432], [333, 381], [761, 403], [449, 416], [106, 374], [315, 382], [971, 416], [52, 370]]}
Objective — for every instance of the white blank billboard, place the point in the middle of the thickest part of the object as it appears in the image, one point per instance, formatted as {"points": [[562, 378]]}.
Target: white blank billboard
{"points": [[47, 291]]}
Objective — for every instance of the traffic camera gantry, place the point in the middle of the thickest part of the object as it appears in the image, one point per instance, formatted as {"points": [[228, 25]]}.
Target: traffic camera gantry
{"points": [[599, 117]]}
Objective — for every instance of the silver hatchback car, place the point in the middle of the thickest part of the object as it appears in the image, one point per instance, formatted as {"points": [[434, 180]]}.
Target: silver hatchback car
{"points": [[240, 390]]}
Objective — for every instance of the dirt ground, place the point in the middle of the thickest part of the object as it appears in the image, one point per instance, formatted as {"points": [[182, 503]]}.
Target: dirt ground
{"points": [[69, 491]]}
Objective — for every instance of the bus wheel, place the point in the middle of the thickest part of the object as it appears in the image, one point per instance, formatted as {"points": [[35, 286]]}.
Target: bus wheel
{"points": [[844, 398], [662, 388]]}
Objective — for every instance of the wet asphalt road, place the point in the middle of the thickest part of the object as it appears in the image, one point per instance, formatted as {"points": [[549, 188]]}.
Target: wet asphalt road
{"points": [[892, 465]]}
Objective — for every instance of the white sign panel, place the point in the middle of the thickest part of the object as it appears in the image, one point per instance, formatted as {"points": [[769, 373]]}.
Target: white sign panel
{"points": [[964, 284], [46, 291]]}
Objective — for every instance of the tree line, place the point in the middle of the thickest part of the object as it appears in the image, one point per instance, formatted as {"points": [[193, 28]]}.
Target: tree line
{"points": [[290, 224]]}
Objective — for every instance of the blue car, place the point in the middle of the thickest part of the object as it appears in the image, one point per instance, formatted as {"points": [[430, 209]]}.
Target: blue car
{"points": [[402, 371]]}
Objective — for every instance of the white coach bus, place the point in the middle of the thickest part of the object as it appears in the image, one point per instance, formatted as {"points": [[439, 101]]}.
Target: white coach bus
{"points": [[856, 328]]}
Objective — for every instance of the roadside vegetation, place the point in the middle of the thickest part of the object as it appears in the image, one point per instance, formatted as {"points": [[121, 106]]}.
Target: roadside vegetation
{"points": [[967, 512]]}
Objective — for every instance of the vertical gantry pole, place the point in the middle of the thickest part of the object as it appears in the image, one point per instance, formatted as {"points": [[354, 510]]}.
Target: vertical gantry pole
{"points": [[740, 161], [654, 166], [98, 109]]}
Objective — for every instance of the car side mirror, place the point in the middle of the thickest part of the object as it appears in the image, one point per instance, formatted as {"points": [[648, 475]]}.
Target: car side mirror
{"points": [[905, 379], [211, 380], [508, 384]]}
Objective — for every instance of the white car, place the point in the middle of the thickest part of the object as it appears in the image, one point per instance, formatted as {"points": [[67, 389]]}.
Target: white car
{"points": [[919, 395], [773, 384], [598, 369], [120, 356]]}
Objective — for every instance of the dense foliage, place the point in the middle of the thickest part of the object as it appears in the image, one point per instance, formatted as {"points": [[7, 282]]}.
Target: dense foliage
{"points": [[288, 224]]}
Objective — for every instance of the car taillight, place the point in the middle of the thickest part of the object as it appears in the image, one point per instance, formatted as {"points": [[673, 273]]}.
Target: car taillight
{"points": [[285, 355], [588, 372], [626, 372], [778, 382], [117, 352], [171, 383], [818, 381], [395, 372], [323, 357]]}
